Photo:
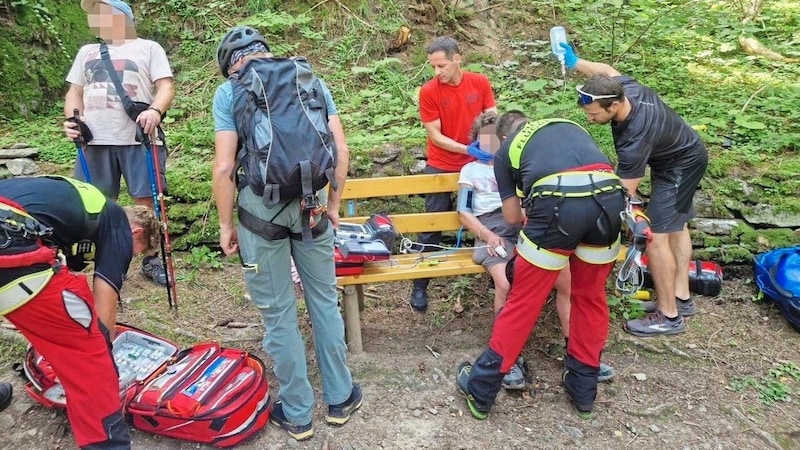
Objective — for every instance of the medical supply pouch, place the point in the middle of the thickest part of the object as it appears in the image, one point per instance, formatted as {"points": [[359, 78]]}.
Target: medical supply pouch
{"points": [[206, 393], [138, 355]]}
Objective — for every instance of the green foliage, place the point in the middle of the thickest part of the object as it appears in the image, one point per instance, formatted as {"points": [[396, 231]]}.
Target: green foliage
{"points": [[37, 42], [625, 307], [202, 257], [778, 385], [687, 50]]}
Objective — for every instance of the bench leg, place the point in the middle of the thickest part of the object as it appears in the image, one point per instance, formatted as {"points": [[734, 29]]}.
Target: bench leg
{"points": [[360, 292], [352, 319]]}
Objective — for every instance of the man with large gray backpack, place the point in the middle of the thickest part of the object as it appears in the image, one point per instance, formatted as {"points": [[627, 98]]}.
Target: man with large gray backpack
{"points": [[278, 140]]}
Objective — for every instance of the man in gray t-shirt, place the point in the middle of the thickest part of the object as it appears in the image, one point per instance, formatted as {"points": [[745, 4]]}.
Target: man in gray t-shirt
{"points": [[648, 132]]}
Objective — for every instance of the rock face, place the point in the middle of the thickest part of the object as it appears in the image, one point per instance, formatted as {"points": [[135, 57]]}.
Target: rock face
{"points": [[18, 160]]}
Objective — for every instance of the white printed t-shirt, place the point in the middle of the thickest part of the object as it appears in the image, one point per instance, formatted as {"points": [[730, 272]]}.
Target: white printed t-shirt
{"points": [[138, 63], [480, 177]]}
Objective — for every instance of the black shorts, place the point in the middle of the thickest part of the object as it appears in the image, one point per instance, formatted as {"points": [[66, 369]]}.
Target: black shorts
{"points": [[671, 199]]}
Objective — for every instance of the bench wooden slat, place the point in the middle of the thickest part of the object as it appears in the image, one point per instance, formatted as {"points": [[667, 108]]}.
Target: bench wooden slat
{"points": [[400, 186], [407, 267], [416, 223]]}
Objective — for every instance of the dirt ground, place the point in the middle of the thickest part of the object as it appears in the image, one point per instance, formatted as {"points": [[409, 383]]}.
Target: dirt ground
{"points": [[675, 392]]}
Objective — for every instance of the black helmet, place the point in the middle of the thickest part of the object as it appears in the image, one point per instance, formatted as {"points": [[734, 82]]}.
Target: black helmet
{"points": [[235, 39]]}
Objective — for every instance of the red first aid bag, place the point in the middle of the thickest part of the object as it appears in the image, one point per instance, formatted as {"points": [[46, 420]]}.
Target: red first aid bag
{"points": [[206, 393]]}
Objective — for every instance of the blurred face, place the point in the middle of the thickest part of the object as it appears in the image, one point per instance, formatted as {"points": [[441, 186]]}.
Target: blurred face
{"points": [[108, 23], [597, 114], [446, 70], [488, 139]]}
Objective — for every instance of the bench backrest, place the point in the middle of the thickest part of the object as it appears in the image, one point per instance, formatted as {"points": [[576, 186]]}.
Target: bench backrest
{"points": [[363, 188]]}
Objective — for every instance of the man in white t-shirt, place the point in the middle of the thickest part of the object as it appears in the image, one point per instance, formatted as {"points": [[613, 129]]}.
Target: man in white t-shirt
{"points": [[114, 151]]}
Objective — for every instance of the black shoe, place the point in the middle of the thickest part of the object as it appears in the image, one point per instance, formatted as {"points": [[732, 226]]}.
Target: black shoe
{"points": [[419, 299], [6, 390], [298, 432], [340, 414]]}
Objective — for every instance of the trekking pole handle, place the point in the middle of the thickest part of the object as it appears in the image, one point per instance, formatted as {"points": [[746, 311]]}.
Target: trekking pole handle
{"points": [[77, 119], [142, 137]]}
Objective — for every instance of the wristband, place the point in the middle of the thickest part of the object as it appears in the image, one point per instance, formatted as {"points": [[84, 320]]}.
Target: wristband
{"points": [[160, 113], [481, 230]]}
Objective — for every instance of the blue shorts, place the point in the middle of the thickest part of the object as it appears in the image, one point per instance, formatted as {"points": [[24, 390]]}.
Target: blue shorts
{"points": [[107, 163]]}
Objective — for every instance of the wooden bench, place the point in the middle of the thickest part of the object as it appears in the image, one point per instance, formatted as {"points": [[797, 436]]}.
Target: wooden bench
{"points": [[403, 266]]}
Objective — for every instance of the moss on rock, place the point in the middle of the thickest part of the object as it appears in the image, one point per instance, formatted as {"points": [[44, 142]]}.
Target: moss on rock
{"points": [[37, 45]]}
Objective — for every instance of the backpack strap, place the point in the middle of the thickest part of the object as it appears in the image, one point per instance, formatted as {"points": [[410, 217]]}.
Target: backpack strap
{"points": [[131, 108], [309, 201]]}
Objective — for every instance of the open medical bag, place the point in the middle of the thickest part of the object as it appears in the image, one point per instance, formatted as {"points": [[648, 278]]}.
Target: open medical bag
{"points": [[206, 393]]}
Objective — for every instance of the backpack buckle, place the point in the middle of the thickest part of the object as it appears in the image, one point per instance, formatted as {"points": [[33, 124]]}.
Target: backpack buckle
{"points": [[310, 202]]}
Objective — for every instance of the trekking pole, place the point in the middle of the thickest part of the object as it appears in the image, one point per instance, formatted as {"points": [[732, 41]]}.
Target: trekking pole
{"points": [[79, 141], [161, 215]]}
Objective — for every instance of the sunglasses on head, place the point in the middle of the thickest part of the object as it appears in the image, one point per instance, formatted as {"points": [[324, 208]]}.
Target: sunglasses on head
{"points": [[586, 98]]}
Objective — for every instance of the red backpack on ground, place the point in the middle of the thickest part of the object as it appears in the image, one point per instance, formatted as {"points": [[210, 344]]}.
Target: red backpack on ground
{"points": [[206, 393]]}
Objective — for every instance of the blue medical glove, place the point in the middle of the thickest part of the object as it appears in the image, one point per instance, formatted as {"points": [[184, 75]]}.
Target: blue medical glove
{"points": [[475, 151], [570, 58]]}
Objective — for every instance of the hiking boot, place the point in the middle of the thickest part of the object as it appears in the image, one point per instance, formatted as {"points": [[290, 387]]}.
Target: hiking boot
{"points": [[515, 379], [686, 308], [606, 372], [419, 299], [6, 391], [655, 324], [153, 268], [478, 411], [298, 432], [340, 414], [584, 410]]}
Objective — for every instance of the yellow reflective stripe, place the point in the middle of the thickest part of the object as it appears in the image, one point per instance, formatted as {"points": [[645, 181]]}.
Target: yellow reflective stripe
{"points": [[575, 194], [15, 210], [598, 255], [14, 295], [93, 199], [574, 178], [525, 134], [538, 256]]}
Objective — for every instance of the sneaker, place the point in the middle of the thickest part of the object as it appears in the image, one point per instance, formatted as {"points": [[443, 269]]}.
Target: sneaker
{"points": [[606, 372], [340, 414], [655, 324], [462, 380], [298, 432], [153, 268], [6, 391], [515, 378], [419, 299], [584, 410], [686, 308]]}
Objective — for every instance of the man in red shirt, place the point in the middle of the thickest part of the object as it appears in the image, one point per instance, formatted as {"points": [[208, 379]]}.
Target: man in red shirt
{"points": [[448, 104]]}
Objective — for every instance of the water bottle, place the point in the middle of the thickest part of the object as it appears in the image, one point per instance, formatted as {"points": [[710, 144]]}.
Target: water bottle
{"points": [[557, 36]]}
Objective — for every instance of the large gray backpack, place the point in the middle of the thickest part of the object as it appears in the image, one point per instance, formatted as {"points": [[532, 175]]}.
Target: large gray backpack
{"points": [[286, 149]]}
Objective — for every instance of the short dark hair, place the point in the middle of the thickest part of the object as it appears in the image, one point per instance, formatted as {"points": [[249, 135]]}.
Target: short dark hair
{"points": [[444, 44], [603, 85], [483, 120], [510, 122]]}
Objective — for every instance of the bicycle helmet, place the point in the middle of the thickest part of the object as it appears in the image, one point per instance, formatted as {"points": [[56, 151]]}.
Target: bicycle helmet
{"points": [[235, 39]]}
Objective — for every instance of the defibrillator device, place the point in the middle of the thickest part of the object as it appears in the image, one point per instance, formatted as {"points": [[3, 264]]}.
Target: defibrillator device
{"points": [[378, 227], [360, 243]]}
